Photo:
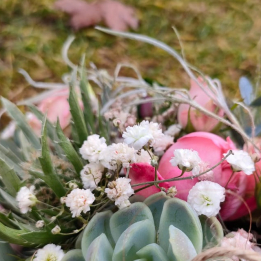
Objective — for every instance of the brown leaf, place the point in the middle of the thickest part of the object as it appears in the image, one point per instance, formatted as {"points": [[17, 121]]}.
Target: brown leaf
{"points": [[114, 14]]}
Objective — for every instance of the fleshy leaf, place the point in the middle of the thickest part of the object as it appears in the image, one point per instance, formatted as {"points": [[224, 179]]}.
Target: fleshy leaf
{"points": [[135, 237], [212, 231], [179, 213], [180, 247], [124, 218], [73, 255], [98, 225], [99, 250], [153, 252], [155, 203]]}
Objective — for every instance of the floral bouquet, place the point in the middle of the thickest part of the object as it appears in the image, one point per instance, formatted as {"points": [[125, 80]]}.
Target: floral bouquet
{"points": [[129, 170]]}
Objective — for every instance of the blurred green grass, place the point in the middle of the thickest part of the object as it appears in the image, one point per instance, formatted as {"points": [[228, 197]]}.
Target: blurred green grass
{"points": [[219, 37]]}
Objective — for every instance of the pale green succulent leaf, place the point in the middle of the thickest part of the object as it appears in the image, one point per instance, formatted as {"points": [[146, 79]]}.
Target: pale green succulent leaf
{"points": [[21, 122], [99, 250], [153, 252], [134, 238], [69, 150], [7, 253], [77, 116], [180, 247], [125, 217], [8, 200], [98, 225], [73, 255], [10, 179], [50, 176], [212, 231], [155, 203], [179, 213]]}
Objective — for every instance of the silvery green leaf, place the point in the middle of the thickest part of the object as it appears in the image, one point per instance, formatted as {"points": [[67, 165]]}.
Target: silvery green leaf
{"points": [[21, 122], [212, 231], [134, 238], [179, 213], [98, 225], [99, 250], [180, 247], [153, 252], [73, 255], [155, 203], [7, 253], [246, 90], [125, 217]]}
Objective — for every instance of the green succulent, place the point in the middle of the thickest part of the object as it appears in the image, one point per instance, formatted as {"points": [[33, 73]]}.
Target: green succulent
{"points": [[159, 229]]}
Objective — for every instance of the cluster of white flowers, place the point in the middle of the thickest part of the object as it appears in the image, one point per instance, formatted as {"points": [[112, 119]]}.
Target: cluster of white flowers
{"points": [[91, 175], [79, 200], [205, 198], [147, 133], [173, 130], [92, 147], [119, 191], [187, 160], [241, 161], [50, 252], [26, 199]]}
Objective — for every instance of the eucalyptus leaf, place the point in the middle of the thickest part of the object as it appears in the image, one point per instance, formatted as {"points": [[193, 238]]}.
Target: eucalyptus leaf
{"points": [[246, 90]]}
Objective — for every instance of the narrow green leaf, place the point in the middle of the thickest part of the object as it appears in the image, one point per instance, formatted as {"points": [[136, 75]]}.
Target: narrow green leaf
{"points": [[10, 179], [77, 116], [12, 235], [7, 253], [68, 149], [7, 221], [8, 200], [50, 176], [20, 120]]}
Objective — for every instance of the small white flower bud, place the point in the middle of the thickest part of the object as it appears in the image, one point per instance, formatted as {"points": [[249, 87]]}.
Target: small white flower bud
{"points": [[76, 231], [56, 230], [39, 223], [53, 219], [154, 161], [73, 185], [172, 192], [63, 200]]}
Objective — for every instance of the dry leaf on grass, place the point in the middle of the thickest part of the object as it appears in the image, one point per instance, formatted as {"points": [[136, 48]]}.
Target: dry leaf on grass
{"points": [[115, 15]]}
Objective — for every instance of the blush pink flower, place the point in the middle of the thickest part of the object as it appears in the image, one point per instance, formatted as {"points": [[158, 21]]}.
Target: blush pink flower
{"points": [[199, 120], [210, 148]]}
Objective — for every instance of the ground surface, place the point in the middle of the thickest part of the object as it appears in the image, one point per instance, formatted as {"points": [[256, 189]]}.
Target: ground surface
{"points": [[219, 37]]}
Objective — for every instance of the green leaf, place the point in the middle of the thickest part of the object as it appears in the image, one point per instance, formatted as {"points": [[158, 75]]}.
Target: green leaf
{"points": [[179, 213], [133, 239], [153, 252], [9, 201], [180, 246], [73, 255], [50, 128], [77, 116], [99, 224], [7, 253], [7, 221], [10, 179], [155, 203], [212, 231], [68, 149], [125, 217], [50, 176], [20, 120], [99, 250]]}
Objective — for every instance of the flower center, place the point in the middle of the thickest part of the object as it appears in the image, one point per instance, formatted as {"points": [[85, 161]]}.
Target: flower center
{"points": [[207, 200], [51, 257]]}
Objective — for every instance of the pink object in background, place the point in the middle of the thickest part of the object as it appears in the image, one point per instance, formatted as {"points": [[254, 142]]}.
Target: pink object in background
{"points": [[199, 120]]}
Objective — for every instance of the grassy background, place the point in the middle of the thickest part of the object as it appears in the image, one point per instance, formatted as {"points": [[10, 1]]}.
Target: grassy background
{"points": [[219, 37]]}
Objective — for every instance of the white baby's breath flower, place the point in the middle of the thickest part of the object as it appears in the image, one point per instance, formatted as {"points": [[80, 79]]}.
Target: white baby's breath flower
{"points": [[91, 175], [116, 155], [137, 136], [39, 224], [56, 230], [79, 200], [173, 130], [92, 147], [119, 191], [160, 144], [26, 199], [241, 161], [186, 159], [50, 252], [143, 156], [153, 128], [205, 198]]}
